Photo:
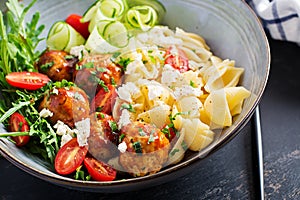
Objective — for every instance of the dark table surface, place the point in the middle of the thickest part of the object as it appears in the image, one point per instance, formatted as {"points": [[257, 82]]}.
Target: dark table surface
{"points": [[227, 174]]}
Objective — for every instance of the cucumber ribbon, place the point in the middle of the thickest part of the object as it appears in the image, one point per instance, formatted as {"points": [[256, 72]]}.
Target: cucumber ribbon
{"points": [[62, 36], [105, 10], [143, 17]]}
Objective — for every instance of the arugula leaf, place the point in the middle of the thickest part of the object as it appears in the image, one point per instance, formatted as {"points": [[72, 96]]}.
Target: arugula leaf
{"points": [[17, 46]]}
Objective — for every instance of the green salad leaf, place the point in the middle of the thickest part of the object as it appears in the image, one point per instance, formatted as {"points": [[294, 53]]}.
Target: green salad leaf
{"points": [[18, 42]]}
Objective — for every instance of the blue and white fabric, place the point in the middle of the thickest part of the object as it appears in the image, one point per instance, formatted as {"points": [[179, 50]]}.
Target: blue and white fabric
{"points": [[281, 18]]}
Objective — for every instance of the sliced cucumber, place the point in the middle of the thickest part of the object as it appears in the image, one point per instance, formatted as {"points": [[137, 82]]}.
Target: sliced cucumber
{"points": [[90, 12], [105, 10], [116, 34], [96, 44], [111, 9], [101, 25], [62, 36], [58, 36], [155, 4], [142, 17]]}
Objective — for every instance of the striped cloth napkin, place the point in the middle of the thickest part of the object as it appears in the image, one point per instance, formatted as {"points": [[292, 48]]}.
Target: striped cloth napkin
{"points": [[281, 18]]}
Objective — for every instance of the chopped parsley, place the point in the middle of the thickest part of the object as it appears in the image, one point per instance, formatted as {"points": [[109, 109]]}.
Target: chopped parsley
{"points": [[69, 57], [46, 66], [121, 137], [88, 65], [184, 145], [137, 147], [179, 113], [173, 152], [128, 106], [151, 137], [192, 84], [123, 62], [101, 69], [113, 125], [142, 132], [115, 56]]}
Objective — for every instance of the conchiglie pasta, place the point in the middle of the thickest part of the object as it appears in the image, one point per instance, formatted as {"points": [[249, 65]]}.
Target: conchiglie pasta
{"points": [[235, 97], [158, 115], [154, 92], [197, 134], [196, 101], [217, 109], [221, 74], [190, 105]]}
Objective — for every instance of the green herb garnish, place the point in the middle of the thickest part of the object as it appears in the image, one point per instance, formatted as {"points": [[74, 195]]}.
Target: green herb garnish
{"points": [[137, 147], [128, 106]]}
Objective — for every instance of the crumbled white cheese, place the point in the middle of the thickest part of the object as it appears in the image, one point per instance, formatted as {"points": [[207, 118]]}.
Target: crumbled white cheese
{"points": [[78, 51], [124, 118], [169, 75], [64, 139], [44, 113], [63, 129], [83, 128], [128, 91], [135, 64], [160, 35], [55, 91], [186, 90], [122, 147]]}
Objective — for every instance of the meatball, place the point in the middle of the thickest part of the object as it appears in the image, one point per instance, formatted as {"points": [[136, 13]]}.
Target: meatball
{"points": [[147, 149], [68, 105], [58, 65], [103, 139], [94, 69]]}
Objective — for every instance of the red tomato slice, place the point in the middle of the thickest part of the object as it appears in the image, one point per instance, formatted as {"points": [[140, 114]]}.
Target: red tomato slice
{"points": [[169, 132], [27, 80], [177, 59], [104, 100], [17, 122], [98, 170], [74, 20], [69, 157]]}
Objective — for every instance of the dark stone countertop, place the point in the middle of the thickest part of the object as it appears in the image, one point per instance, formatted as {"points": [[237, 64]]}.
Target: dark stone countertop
{"points": [[229, 172]]}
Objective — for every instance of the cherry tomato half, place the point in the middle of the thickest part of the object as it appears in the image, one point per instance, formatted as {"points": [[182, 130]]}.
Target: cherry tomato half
{"points": [[104, 100], [69, 157], [74, 20], [177, 59], [169, 132], [17, 122], [27, 80], [99, 170]]}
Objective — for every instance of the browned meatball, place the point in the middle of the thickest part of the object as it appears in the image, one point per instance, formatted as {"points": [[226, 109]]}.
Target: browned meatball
{"points": [[103, 140], [68, 105], [58, 65], [94, 69], [147, 149]]}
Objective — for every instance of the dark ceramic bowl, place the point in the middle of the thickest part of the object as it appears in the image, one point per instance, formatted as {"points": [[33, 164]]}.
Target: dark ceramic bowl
{"points": [[230, 28]]}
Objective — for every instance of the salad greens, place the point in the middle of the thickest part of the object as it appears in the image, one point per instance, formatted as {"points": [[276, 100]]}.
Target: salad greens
{"points": [[18, 53], [18, 42]]}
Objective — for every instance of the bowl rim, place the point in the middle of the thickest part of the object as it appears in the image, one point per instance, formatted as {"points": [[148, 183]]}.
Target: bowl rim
{"points": [[180, 169]]}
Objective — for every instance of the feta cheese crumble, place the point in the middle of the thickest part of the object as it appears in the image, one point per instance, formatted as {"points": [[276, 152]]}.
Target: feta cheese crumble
{"points": [[128, 91], [124, 118], [83, 128], [44, 113], [186, 90], [122, 147]]}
